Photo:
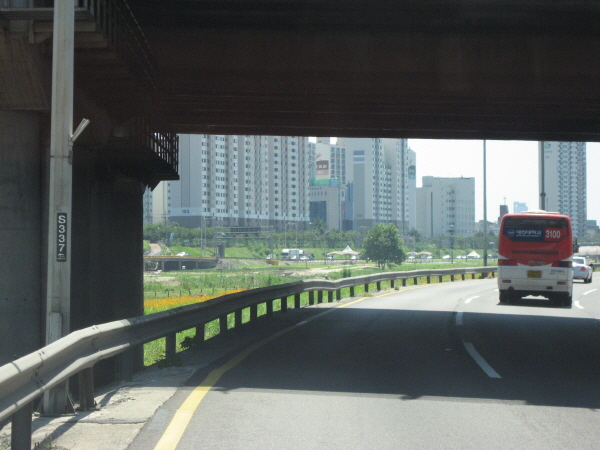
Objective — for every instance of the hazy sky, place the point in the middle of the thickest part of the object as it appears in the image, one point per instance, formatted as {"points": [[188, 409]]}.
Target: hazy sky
{"points": [[512, 171]]}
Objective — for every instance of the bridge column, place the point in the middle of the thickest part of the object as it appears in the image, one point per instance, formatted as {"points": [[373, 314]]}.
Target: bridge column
{"points": [[20, 234], [107, 285]]}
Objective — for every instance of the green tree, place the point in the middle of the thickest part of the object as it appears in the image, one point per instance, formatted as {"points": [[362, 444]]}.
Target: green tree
{"points": [[384, 245], [318, 225]]}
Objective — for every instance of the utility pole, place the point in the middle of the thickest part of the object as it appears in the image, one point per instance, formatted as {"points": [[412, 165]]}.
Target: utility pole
{"points": [[542, 177], [58, 291], [485, 244]]}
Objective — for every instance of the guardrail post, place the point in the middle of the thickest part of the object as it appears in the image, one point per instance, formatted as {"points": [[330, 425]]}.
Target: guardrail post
{"points": [[200, 331], [126, 362], [440, 278], [223, 324], [392, 284], [284, 304], [20, 435], [416, 281], [473, 276], [351, 291], [338, 295], [320, 297], [297, 301], [311, 298], [428, 279], [170, 345], [269, 308], [366, 287], [86, 389], [237, 318], [378, 285], [329, 296], [403, 282], [253, 312]]}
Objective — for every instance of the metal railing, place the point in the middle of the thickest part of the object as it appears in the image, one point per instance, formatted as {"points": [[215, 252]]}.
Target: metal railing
{"points": [[27, 378], [164, 145], [123, 32]]}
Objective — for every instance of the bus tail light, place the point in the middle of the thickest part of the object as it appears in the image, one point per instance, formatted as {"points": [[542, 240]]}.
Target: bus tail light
{"points": [[562, 264], [507, 262]]}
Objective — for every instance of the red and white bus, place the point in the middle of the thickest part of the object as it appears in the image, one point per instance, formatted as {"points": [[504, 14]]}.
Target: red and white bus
{"points": [[535, 253]]}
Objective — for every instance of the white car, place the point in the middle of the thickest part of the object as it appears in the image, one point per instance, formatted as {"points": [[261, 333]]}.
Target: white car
{"points": [[446, 257], [581, 269], [183, 254]]}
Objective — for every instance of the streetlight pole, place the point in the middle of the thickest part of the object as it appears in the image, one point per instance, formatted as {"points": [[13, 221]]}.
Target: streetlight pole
{"points": [[58, 285], [451, 243], [485, 250]]}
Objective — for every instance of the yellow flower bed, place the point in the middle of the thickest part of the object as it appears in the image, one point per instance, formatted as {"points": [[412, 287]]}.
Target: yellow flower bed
{"points": [[153, 305]]}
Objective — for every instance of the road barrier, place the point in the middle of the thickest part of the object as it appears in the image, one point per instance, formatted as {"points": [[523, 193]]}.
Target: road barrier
{"points": [[26, 379]]}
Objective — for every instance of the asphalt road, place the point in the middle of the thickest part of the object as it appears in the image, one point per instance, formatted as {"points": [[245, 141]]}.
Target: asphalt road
{"points": [[437, 366]]}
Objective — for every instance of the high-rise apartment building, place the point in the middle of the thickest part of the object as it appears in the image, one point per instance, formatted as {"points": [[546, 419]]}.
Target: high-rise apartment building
{"points": [[382, 172], [563, 181], [371, 180], [237, 181], [519, 207], [446, 206]]}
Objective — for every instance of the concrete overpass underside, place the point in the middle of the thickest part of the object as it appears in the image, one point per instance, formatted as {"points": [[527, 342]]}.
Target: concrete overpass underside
{"points": [[511, 69], [147, 69]]}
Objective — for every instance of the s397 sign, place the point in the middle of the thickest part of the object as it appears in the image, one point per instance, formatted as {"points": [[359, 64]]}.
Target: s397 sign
{"points": [[61, 237]]}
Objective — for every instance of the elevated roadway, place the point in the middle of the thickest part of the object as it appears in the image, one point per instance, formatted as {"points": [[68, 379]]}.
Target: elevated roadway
{"points": [[510, 69]]}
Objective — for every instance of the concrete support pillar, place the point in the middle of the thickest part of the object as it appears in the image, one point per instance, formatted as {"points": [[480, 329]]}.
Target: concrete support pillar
{"points": [[21, 238], [107, 254]]}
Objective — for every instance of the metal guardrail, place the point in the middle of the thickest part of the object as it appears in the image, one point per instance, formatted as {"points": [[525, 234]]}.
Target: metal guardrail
{"points": [[25, 379]]}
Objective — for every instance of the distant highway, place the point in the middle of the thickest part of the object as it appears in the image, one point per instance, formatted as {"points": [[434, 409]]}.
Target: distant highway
{"points": [[434, 366]]}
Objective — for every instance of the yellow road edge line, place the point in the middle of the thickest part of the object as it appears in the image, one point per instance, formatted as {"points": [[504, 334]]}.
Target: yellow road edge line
{"points": [[183, 415]]}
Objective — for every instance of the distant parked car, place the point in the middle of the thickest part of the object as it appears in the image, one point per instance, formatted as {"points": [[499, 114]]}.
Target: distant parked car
{"points": [[446, 257], [581, 269], [183, 254], [304, 257]]}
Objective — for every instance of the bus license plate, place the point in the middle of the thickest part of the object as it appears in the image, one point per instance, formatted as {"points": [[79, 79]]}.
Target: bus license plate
{"points": [[534, 274]]}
